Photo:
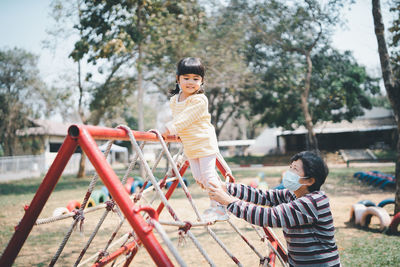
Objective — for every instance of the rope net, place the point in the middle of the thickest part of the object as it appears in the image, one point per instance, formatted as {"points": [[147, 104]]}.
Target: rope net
{"points": [[108, 234]]}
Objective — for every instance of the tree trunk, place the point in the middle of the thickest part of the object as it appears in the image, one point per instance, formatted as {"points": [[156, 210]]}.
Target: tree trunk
{"points": [[82, 163], [140, 98], [392, 86], [82, 166], [140, 94], [312, 143]]}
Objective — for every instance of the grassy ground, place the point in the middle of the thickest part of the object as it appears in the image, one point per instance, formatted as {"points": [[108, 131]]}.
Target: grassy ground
{"points": [[357, 247]]}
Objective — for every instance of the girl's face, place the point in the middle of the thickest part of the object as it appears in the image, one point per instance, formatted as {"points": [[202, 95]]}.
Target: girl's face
{"points": [[190, 83]]}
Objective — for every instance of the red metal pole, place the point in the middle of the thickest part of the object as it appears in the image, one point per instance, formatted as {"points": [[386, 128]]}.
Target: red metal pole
{"points": [[271, 238], [272, 255], [125, 248], [224, 171], [173, 186], [274, 242], [104, 133], [25, 226], [133, 246], [121, 197]]}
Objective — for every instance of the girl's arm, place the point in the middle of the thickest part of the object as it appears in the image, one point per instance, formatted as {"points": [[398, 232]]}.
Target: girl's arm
{"points": [[298, 212], [268, 198], [196, 108]]}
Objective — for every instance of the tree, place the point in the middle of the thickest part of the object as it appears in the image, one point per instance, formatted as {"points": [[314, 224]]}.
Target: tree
{"points": [[296, 28], [124, 34], [391, 81], [23, 95], [126, 28], [98, 98], [340, 89], [228, 79]]}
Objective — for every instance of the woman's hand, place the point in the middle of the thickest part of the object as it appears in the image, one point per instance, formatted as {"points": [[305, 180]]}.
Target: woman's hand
{"points": [[217, 193]]}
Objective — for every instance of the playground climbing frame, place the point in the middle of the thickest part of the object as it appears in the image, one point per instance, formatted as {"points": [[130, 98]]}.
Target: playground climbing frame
{"points": [[85, 136]]}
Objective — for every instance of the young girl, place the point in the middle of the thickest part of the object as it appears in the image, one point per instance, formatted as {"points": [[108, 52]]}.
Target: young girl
{"points": [[302, 210], [192, 122]]}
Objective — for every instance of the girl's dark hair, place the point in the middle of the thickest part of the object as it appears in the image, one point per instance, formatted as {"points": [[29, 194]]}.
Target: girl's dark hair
{"points": [[189, 65], [314, 166]]}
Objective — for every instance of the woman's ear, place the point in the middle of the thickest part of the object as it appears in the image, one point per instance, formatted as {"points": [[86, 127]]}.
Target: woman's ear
{"points": [[177, 79], [308, 181]]}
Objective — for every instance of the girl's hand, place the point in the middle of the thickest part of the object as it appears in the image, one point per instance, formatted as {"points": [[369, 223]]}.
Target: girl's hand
{"points": [[201, 185], [166, 132], [217, 193]]}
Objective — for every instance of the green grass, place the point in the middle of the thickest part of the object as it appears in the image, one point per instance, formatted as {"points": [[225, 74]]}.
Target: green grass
{"points": [[367, 251], [389, 155], [366, 248]]}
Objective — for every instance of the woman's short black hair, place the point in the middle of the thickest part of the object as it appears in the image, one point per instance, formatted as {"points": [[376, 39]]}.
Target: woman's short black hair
{"points": [[314, 166], [189, 65]]}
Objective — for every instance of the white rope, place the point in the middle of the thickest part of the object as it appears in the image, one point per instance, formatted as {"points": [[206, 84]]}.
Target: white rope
{"points": [[157, 225], [159, 191], [80, 213], [119, 241], [245, 240], [168, 242]]}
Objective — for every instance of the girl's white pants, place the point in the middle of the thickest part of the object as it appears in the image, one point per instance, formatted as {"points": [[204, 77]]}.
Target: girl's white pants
{"points": [[203, 170]]}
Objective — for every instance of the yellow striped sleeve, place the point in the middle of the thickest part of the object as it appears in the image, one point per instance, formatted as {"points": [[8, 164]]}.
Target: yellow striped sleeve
{"points": [[194, 110]]}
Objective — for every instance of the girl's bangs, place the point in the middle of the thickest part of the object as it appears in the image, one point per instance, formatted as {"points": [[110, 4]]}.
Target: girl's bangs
{"points": [[193, 69], [190, 66]]}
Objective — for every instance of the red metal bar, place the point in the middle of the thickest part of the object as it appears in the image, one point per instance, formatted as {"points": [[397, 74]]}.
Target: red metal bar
{"points": [[223, 171], [104, 133], [279, 248], [173, 186], [272, 255], [125, 248], [121, 197], [271, 238], [39, 200], [132, 246]]}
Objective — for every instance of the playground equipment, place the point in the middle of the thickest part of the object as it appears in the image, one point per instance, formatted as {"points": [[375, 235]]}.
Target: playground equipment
{"points": [[393, 227], [143, 219], [376, 178], [362, 212], [379, 212], [356, 213]]}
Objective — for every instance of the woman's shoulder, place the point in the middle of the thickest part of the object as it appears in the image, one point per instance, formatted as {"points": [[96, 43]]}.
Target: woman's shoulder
{"points": [[317, 197]]}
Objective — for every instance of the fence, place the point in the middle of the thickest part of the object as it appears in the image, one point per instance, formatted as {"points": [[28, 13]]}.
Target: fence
{"points": [[20, 167]]}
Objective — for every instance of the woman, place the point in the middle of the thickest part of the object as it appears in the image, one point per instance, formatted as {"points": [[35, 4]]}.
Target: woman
{"points": [[302, 210]]}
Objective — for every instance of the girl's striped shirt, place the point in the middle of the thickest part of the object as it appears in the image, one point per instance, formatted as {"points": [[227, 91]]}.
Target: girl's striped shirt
{"points": [[192, 122], [306, 221]]}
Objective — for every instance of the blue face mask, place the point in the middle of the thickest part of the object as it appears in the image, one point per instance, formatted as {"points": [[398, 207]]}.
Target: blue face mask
{"points": [[290, 180]]}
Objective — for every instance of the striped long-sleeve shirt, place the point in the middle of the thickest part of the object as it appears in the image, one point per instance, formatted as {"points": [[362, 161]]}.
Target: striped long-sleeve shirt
{"points": [[192, 122], [307, 221]]}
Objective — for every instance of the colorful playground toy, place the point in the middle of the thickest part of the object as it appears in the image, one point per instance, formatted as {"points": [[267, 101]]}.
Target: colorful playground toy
{"points": [[60, 211], [376, 178], [362, 212], [73, 204]]}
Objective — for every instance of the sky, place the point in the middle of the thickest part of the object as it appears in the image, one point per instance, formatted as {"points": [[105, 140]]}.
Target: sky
{"points": [[24, 23]]}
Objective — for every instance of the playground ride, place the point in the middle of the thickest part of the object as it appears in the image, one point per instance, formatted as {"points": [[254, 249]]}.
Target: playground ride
{"points": [[143, 219], [376, 178], [362, 212]]}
